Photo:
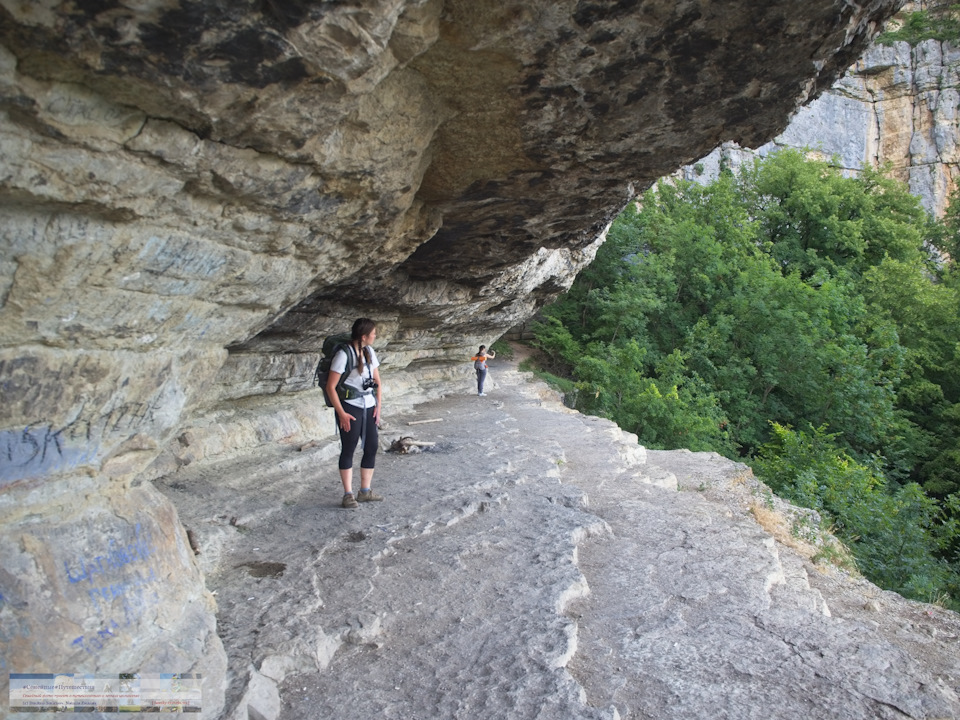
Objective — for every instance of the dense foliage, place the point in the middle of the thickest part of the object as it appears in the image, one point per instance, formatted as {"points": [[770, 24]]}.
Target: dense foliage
{"points": [[939, 21], [804, 320]]}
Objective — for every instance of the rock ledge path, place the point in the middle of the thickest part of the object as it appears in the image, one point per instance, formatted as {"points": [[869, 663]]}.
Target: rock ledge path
{"points": [[539, 563]]}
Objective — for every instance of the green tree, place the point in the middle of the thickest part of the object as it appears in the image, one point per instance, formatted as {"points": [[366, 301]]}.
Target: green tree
{"points": [[670, 409], [789, 296], [895, 537], [940, 21], [925, 310]]}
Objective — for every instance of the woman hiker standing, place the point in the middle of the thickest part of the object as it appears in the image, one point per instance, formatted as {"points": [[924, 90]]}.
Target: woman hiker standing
{"points": [[480, 365], [358, 412]]}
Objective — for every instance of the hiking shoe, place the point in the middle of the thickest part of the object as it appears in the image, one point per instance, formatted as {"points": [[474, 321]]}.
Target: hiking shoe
{"points": [[349, 501], [368, 496]]}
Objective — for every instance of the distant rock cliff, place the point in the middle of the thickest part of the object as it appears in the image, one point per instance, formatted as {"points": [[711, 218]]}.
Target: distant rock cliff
{"points": [[897, 105], [193, 193]]}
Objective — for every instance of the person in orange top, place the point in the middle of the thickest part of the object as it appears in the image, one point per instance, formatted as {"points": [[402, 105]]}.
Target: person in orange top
{"points": [[480, 365]]}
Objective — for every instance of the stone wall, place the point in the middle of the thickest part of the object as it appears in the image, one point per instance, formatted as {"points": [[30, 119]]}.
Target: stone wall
{"points": [[193, 193]]}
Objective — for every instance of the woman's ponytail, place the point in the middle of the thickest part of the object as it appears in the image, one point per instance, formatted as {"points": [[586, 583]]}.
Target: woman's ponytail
{"points": [[361, 327]]}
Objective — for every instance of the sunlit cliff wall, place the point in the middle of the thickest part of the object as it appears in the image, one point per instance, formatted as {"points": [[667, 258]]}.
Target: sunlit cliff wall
{"points": [[895, 107]]}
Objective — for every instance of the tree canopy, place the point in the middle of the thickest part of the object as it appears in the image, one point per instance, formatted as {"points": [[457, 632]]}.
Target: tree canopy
{"points": [[939, 21], [787, 305]]}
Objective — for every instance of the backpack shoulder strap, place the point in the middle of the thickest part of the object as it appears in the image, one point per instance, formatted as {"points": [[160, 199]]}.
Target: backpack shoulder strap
{"points": [[351, 357]]}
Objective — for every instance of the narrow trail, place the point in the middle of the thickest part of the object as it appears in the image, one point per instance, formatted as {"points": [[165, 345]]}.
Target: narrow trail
{"points": [[538, 563]]}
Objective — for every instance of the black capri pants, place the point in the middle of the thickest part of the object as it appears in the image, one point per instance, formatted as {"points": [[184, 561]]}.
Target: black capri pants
{"points": [[363, 427]]}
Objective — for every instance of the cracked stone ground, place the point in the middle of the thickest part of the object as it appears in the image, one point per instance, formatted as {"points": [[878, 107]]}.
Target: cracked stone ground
{"points": [[538, 563]]}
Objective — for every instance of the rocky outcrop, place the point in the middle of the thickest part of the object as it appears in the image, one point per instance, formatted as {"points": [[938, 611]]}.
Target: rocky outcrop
{"points": [[896, 106], [193, 193]]}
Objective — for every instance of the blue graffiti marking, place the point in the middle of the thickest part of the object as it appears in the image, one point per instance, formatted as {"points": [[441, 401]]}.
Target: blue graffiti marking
{"points": [[129, 590], [94, 643], [114, 560], [122, 572]]}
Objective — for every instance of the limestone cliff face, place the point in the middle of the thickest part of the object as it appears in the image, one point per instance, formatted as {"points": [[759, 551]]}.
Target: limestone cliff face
{"points": [[193, 193], [896, 106]]}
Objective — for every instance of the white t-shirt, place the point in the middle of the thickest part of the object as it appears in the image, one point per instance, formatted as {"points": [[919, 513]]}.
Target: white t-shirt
{"points": [[339, 364]]}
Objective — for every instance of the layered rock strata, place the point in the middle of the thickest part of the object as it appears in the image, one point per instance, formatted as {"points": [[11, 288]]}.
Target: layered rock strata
{"points": [[193, 193]]}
